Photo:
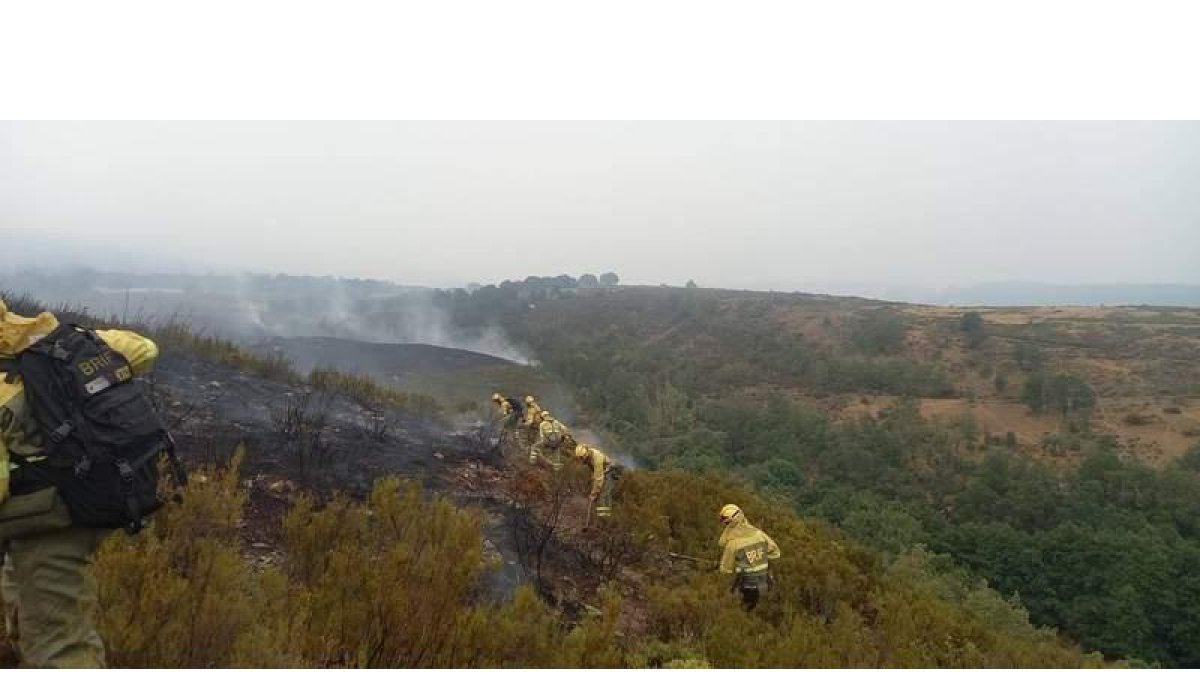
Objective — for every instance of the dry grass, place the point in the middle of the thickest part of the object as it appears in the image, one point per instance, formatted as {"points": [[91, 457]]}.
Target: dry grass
{"points": [[367, 391]]}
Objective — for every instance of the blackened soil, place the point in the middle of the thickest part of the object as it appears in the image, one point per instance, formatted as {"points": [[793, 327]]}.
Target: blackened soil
{"points": [[384, 361], [302, 441], [297, 440]]}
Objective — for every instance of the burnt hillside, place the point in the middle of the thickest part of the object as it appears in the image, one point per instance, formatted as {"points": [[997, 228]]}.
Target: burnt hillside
{"points": [[381, 360], [299, 438]]}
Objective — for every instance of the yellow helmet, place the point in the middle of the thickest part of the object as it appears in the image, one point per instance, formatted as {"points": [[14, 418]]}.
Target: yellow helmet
{"points": [[581, 451], [545, 414], [496, 397], [529, 400], [729, 513]]}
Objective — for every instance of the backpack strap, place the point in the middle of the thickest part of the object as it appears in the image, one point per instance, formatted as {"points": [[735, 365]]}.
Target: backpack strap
{"points": [[132, 509], [54, 350]]}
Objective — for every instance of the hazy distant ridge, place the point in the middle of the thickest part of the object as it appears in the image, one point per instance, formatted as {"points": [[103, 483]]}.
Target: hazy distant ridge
{"points": [[1028, 293]]}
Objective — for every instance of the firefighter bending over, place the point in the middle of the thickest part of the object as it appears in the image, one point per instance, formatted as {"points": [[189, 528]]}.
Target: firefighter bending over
{"points": [[508, 413], [745, 552], [604, 475], [530, 420], [553, 438], [503, 407]]}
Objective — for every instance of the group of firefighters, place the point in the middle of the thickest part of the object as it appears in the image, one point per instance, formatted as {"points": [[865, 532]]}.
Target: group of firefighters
{"points": [[529, 425], [745, 549], [48, 546]]}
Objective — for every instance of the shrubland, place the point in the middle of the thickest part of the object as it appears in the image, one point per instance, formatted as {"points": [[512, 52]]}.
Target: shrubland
{"points": [[918, 543], [395, 581], [733, 384], [392, 581]]}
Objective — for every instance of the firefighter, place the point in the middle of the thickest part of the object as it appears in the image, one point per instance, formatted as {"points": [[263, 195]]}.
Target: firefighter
{"points": [[604, 475], [530, 421], [508, 417], [745, 552], [47, 575], [502, 405], [553, 438]]}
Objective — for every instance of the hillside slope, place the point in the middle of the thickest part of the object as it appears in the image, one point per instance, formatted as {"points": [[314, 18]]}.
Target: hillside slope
{"points": [[263, 564], [1053, 451], [847, 355]]}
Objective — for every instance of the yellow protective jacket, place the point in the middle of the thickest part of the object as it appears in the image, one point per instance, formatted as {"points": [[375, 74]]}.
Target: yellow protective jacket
{"points": [[554, 426], [600, 464], [745, 549], [504, 406], [533, 412], [18, 430]]}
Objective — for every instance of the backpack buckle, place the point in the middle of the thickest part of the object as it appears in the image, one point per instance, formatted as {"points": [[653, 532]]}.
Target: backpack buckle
{"points": [[126, 472], [83, 466], [61, 432], [57, 352]]}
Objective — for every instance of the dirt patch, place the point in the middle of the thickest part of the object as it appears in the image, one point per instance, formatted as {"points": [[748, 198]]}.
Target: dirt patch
{"points": [[1157, 437], [994, 416]]}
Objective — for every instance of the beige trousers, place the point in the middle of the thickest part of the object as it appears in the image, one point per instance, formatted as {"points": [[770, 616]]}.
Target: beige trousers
{"points": [[47, 583]]}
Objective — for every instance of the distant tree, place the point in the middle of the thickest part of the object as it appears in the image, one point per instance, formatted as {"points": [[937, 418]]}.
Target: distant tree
{"points": [[972, 325], [1071, 394], [1065, 394], [879, 332], [1028, 356], [588, 281], [609, 279], [691, 284], [1000, 382], [1033, 392]]}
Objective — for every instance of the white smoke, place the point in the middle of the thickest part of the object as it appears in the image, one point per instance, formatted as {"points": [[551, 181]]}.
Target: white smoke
{"points": [[409, 316], [246, 309], [607, 444]]}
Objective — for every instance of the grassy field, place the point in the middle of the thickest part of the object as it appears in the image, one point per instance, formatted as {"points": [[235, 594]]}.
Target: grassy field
{"points": [[1144, 363]]}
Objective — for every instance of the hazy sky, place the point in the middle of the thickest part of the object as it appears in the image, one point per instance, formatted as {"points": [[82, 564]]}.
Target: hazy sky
{"points": [[743, 205]]}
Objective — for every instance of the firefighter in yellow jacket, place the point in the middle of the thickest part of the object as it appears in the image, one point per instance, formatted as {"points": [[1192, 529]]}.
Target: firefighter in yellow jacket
{"points": [[745, 552], [553, 439], [604, 474], [529, 423], [47, 575], [506, 418], [503, 407]]}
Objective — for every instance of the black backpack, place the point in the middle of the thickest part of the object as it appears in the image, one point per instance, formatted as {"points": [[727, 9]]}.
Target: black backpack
{"points": [[554, 437], [517, 406], [101, 435]]}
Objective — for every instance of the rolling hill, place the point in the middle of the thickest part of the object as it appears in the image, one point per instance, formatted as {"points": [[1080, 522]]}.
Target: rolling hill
{"points": [[325, 512]]}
